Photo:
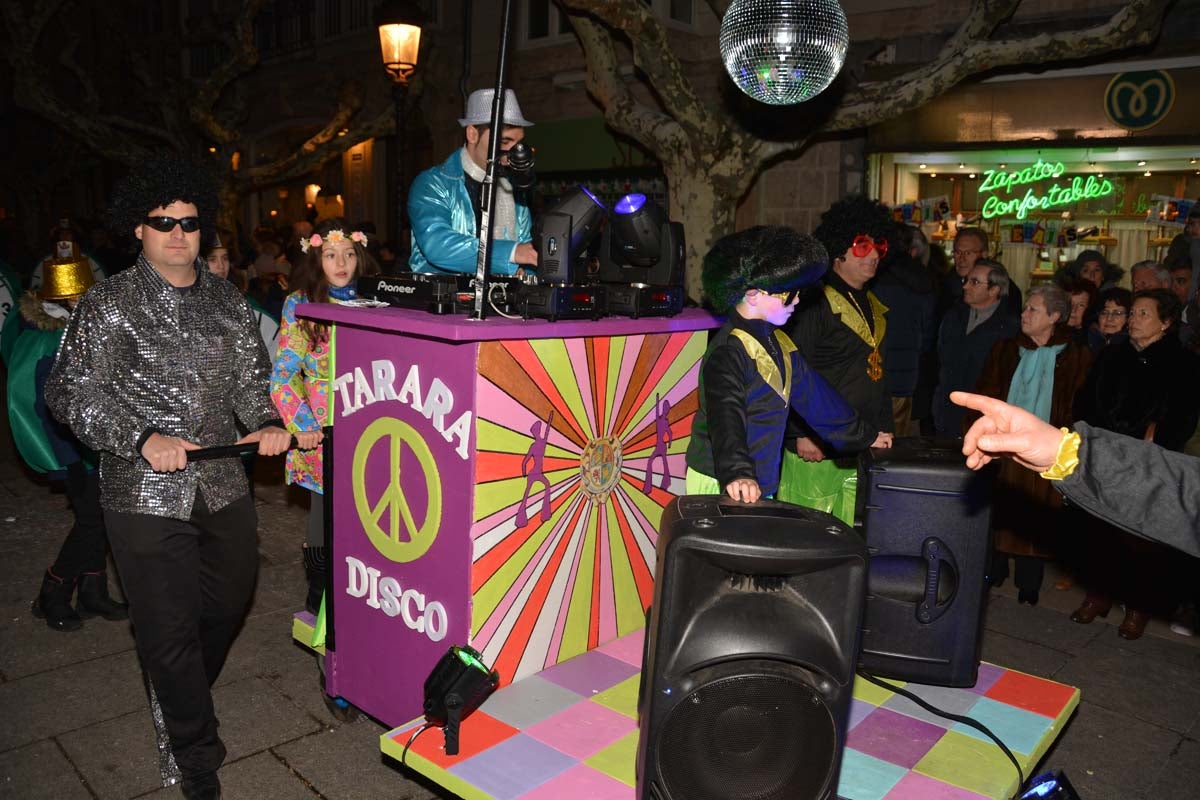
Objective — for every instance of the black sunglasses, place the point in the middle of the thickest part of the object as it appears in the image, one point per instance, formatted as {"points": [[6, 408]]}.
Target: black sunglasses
{"points": [[167, 224]]}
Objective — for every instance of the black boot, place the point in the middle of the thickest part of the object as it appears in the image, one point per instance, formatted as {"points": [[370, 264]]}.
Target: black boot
{"points": [[53, 604], [93, 599], [201, 787], [314, 570]]}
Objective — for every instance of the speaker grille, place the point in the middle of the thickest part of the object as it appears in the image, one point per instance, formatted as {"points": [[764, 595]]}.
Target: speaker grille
{"points": [[748, 737]]}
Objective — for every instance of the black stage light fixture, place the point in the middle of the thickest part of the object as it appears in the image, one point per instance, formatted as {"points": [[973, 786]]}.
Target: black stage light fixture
{"points": [[1050, 786], [564, 233], [457, 686], [642, 259], [637, 224]]}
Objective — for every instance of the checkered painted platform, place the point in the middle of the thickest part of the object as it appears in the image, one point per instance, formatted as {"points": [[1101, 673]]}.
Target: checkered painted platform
{"points": [[571, 732]]}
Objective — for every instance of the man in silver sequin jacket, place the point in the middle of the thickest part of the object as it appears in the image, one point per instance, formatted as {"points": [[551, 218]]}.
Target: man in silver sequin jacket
{"points": [[156, 362]]}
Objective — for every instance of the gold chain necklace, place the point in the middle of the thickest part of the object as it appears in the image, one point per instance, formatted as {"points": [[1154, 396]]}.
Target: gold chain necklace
{"points": [[874, 359]]}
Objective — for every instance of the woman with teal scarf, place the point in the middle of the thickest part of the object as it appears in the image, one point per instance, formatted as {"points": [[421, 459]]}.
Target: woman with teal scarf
{"points": [[1039, 370]]}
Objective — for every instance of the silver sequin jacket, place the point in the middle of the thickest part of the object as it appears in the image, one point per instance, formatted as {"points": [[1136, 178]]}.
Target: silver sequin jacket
{"points": [[140, 355]]}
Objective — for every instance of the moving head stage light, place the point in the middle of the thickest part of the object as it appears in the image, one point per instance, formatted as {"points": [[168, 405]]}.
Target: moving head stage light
{"points": [[562, 237], [642, 260]]}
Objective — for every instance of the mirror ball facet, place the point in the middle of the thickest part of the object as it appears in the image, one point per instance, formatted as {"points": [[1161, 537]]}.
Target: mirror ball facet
{"points": [[784, 51]]}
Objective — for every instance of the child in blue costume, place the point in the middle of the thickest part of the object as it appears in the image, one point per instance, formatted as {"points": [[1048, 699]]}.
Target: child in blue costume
{"points": [[752, 374]]}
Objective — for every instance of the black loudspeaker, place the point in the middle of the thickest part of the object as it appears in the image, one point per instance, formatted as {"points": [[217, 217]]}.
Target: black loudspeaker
{"points": [[750, 649], [927, 522]]}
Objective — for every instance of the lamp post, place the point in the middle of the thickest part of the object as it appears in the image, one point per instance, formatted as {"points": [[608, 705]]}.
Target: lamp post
{"points": [[399, 23]]}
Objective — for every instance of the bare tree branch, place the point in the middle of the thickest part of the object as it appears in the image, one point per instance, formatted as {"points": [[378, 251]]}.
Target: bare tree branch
{"points": [[969, 52], [128, 124], [91, 98], [652, 54], [325, 143], [645, 125], [243, 57]]}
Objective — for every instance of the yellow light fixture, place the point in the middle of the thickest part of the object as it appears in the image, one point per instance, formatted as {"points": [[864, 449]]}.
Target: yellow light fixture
{"points": [[399, 23]]}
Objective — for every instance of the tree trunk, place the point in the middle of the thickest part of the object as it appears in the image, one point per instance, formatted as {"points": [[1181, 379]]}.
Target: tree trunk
{"points": [[228, 206], [706, 212]]}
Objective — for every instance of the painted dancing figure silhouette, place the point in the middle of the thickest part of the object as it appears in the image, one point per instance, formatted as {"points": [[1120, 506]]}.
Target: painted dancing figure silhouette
{"points": [[533, 474], [662, 440]]}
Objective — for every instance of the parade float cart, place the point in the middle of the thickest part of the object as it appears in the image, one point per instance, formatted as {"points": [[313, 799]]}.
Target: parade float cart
{"points": [[572, 731], [500, 484], [497, 484]]}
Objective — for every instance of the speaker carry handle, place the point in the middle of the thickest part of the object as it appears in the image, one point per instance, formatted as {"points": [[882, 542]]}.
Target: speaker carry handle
{"points": [[935, 553], [930, 580]]}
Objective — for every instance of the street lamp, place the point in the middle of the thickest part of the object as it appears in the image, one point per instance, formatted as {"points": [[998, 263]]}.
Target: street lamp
{"points": [[399, 23]]}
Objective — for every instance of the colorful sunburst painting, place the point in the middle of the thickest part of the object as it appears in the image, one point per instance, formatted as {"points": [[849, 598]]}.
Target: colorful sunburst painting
{"points": [[580, 446]]}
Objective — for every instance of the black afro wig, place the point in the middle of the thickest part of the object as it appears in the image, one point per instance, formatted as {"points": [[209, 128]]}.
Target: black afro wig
{"points": [[773, 258], [159, 181], [853, 216]]}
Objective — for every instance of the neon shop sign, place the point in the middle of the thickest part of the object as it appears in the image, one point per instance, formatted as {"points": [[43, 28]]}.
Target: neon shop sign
{"points": [[998, 181]]}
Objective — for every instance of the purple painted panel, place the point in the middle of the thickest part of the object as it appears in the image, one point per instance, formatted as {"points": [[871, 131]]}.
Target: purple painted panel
{"points": [[403, 457], [452, 327]]}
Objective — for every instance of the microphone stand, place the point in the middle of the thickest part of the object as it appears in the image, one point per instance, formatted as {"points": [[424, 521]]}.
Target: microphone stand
{"points": [[488, 199]]}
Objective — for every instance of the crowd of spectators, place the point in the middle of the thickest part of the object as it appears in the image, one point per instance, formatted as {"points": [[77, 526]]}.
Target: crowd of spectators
{"points": [[1117, 349]]}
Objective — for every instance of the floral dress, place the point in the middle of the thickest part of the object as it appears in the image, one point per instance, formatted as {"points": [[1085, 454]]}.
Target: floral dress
{"points": [[300, 391]]}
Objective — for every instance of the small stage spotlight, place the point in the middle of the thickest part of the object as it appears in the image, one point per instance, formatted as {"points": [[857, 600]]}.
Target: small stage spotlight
{"points": [[1050, 786], [458, 684]]}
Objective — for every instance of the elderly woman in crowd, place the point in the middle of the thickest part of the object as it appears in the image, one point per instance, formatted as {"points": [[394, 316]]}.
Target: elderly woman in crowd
{"points": [[1112, 316], [1090, 266], [1082, 320], [1145, 387], [1039, 370]]}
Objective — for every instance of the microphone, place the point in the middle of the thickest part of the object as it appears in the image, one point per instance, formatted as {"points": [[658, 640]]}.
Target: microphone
{"points": [[520, 166]]}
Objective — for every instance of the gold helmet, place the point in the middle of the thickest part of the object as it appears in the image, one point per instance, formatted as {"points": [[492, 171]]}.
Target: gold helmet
{"points": [[66, 278]]}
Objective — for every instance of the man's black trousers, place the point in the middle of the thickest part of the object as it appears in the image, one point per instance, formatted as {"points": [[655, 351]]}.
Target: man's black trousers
{"points": [[189, 584]]}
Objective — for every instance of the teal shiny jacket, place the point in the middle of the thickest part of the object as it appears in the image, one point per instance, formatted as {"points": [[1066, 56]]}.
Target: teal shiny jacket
{"points": [[444, 236]]}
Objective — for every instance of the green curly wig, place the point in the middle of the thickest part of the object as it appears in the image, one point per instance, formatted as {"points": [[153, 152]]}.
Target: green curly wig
{"points": [[773, 258], [850, 217], [159, 181]]}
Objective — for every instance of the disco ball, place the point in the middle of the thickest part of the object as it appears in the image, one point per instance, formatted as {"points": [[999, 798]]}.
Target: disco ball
{"points": [[784, 51]]}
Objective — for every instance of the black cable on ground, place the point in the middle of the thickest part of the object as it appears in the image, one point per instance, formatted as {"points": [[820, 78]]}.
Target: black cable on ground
{"points": [[976, 724], [412, 739]]}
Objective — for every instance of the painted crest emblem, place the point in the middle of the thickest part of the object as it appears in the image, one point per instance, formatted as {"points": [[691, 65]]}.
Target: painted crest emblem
{"points": [[600, 467]]}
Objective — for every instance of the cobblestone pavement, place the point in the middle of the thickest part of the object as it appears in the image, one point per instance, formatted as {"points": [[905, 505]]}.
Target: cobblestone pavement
{"points": [[73, 719]]}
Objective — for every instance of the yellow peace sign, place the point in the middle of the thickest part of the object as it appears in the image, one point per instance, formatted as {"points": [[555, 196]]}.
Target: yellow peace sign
{"points": [[389, 542]]}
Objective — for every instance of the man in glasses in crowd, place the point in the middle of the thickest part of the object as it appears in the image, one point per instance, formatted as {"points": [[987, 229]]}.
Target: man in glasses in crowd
{"points": [[966, 336], [970, 245], [840, 332], [158, 361]]}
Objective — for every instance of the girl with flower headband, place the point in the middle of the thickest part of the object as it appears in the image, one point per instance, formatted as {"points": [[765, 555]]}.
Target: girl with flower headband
{"points": [[334, 257]]}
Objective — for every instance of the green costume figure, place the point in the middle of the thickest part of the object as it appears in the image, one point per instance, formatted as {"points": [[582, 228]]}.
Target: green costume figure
{"points": [[840, 331], [47, 446]]}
